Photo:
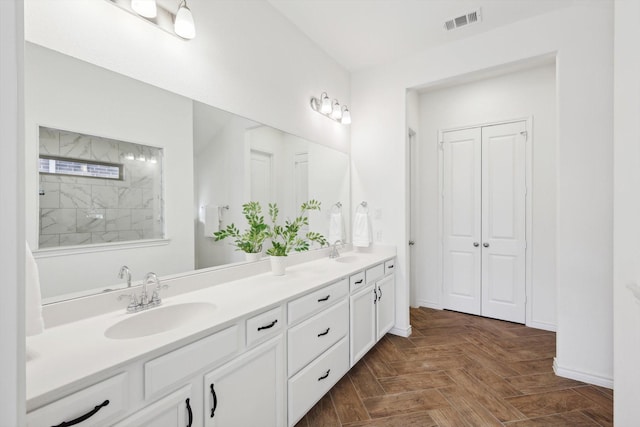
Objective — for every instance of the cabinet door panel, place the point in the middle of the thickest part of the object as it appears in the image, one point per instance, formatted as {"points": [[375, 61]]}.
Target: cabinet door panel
{"points": [[170, 411], [249, 391], [363, 322], [386, 305]]}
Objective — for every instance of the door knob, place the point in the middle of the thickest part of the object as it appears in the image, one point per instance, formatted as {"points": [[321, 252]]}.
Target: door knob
{"points": [[476, 244], [486, 245]]}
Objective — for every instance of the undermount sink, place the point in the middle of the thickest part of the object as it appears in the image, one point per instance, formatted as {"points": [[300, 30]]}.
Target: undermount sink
{"points": [[159, 319], [347, 259]]}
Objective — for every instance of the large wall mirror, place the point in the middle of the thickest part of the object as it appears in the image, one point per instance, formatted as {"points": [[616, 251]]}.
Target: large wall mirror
{"points": [[212, 162]]}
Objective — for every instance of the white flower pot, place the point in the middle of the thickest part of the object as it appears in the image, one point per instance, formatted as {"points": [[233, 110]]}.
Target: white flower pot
{"points": [[278, 264], [252, 257]]}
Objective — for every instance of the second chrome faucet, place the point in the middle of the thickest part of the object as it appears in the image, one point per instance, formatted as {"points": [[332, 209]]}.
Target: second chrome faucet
{"points": [[145, 301]]}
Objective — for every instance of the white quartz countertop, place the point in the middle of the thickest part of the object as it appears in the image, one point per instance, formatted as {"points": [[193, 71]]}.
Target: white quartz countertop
{"points": [[68, 357]]}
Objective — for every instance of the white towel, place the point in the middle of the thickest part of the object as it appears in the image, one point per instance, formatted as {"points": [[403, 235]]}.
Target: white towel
{"points": [[336, 228], [33, 302], [361, 230], [211, 220]]}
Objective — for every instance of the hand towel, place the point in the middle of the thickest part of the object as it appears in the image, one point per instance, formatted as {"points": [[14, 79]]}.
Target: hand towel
{"points": [[33, 301], [211, 220], [336, 228], [361, 230]]}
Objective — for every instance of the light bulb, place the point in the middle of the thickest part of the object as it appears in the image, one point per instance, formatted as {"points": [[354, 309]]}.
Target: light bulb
{"points": [[346, 116], [146, 8], [336, 113], [326, 104], [184, 25]]}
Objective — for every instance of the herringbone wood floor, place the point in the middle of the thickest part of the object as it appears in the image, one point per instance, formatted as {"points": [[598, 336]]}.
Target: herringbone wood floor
{"points": [[461, 370]]}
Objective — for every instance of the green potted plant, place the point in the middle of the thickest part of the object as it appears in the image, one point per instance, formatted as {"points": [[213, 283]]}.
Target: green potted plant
{"points": [[250, 241], [286, 238]]}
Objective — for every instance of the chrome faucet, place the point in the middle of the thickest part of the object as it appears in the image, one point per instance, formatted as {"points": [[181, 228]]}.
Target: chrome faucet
{"points": [[124, 270], [333, 253], [145, 301]]}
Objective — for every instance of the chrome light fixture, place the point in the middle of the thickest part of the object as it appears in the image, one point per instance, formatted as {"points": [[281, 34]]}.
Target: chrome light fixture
{"points": [[184, 25], [332, 110], [146, 8]]}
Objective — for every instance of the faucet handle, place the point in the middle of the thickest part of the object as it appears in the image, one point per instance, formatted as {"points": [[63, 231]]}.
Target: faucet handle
{"points": [[133, 301], [155, 297]]}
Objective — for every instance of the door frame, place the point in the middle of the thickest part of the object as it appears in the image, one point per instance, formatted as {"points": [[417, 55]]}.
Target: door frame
{"points": [[528, 208]]}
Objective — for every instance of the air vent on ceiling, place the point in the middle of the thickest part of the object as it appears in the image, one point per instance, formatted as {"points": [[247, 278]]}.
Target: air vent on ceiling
{"points": [[463, 20]]}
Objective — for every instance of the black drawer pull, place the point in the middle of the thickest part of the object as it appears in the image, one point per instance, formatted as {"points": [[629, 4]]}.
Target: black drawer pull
{"points": [[270, 325], [325, 375], [84, 417], [321, 334], [357, 282], [190, 413], [215, 401], [390, 267], [324, 299]]}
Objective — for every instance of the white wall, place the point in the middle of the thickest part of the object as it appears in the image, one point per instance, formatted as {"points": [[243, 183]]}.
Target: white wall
{"points": [[12, 343], [515, 95], [247, 58], [584, 161], [627, 211], [68, 94]]}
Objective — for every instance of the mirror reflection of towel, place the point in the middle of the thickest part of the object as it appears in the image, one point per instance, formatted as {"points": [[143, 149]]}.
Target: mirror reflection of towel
{"points": [[336, 228], [361, 230], [34, 324]]}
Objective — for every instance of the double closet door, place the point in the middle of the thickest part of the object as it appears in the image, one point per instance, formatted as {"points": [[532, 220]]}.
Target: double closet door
{"points": [[484, 220]]}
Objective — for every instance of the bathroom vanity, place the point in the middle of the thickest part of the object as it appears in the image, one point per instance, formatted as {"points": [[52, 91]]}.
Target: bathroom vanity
{"points": [[257, 351]]}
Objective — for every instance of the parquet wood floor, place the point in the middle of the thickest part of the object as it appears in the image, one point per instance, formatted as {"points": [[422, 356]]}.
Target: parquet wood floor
{"points": [[461, 370]]}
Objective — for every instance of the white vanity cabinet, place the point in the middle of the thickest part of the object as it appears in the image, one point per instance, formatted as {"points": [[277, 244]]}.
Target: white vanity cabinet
{"points": [[372, 304], [248, 391], [174, 410]]}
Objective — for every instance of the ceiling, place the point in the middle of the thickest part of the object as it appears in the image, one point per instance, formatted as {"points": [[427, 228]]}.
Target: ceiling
{"points": [[363, 33]]}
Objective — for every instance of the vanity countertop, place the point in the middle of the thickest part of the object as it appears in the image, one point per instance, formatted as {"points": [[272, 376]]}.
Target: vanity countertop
{"points": [[74, 355]]}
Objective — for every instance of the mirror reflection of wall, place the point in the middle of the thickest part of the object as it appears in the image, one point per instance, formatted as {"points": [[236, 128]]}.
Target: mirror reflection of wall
{"points": [[97, 190]]}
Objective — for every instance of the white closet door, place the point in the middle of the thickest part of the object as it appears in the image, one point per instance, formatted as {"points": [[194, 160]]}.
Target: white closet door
{"points": [[261, 177], [462, 220], [503, 221]]}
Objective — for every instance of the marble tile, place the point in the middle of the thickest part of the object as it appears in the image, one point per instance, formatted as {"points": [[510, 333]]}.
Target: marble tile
{"points": [[130, 198], [49, 141], [75, 196], [148, 198], [141, 219], [75, 145], [51, 197], [90, 220], [129, 235], [48, 241], [104, 196], [56, 221], [109, 236], [104, 150], [118, 219], [152, 234], [75, 239]]}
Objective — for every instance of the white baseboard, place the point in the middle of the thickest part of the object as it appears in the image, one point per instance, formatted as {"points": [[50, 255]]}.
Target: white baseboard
{"points": [[542, 325], [402, 332], [582, 376], [427, 304]]}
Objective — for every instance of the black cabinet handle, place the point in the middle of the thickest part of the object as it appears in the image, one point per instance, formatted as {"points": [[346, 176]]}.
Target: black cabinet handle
{"points": [[270, 325], [357, 282], [324, 333], [390, 267], [325, 375], [380, 296], [215, 401], [190, 413], [375, 296], [84, 417], [324, 299]]}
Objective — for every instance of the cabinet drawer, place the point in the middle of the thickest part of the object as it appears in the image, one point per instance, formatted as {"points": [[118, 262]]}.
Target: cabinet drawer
{"points": [[389, 266], [310, 384], [316, 301], [264, 325], [374, 273], [357, 280], [183, 363], [107, 400], [313, 336]]}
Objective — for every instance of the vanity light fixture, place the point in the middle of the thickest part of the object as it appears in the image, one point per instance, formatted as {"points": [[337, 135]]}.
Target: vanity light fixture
{"points": [[184, 25], [146, 8], [332, 110]]}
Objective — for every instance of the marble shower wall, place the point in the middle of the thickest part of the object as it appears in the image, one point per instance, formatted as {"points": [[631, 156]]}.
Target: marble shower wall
{"points": [[83, 210]]}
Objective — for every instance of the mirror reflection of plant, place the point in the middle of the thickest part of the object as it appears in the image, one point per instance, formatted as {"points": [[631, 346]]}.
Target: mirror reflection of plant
{"points": [[251, 240], [285, 238]]}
